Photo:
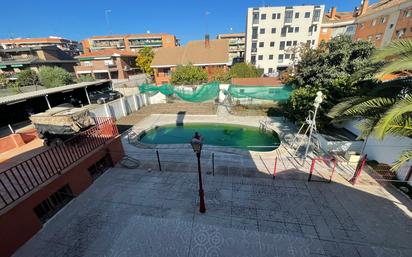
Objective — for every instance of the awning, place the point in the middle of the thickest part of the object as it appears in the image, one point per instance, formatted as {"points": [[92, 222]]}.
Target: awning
{"points": [[17, 65]]}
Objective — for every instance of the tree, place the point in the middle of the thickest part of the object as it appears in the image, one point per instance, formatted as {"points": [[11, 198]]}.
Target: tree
{"points": [[387, 109], [144, 60], [4, 81], [54, 76], [85, 78], [245, 70], [26, 78], [189, 75], [330, 68], [221, 75]]}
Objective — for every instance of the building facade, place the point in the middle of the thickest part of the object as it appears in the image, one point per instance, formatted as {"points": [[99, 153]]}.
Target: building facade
{"points": [[337, 23], [384, 21], [211, 55], [236, 46], [131, 42], [273, 32], [71, 47], [107, 64], [14, 60]]}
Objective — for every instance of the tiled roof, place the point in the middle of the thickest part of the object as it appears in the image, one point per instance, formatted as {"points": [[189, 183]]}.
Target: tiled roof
{"points": [[130, 36], [107, 53], [34, 40], [194, 52], [381, 5]]}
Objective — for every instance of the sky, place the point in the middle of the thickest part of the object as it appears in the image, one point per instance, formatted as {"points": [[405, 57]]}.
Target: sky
{"points": [[187, 19]]}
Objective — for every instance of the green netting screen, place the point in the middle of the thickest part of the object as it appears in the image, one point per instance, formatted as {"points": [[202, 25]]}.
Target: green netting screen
{"points": [[261, 92], [203, 93]]}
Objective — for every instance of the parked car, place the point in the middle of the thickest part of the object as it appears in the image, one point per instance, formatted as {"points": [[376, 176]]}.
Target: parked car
{"points": [[101, 97]]}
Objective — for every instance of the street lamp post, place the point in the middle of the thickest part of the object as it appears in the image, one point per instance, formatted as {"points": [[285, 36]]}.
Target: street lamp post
{"points": [[197, 148]]}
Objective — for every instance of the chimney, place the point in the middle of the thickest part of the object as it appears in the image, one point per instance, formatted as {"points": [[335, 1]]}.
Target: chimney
{"points": [[207, 41], [364, 7], [333, 13]]}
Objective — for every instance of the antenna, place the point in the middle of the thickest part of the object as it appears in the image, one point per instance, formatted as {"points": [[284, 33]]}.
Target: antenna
{"points": [[106, 14], [206, 17]]}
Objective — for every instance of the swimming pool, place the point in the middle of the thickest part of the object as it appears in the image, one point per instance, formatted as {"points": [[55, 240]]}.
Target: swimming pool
{"points": [[236, 136]]}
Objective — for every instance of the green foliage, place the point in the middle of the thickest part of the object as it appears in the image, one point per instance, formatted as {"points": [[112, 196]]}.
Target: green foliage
{"points": [[4, 81], [189, 75], [85, 78], [144, 60], [337, 68], [221, 75], [54, 76], [245, 70], [27, 78]]}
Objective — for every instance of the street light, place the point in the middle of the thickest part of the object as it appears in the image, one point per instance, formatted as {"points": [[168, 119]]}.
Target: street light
{"points": [[312, 123], [197, 148]]}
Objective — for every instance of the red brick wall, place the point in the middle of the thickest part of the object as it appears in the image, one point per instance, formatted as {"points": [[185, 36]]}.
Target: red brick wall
{"points": [[363, 32], [18, 223]]}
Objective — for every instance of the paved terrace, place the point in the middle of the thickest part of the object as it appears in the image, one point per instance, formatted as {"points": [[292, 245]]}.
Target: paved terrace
{"points": [[146, 212]]}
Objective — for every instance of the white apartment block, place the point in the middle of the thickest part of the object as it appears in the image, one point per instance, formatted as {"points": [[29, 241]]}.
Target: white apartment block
{"points": [[271, 33]]}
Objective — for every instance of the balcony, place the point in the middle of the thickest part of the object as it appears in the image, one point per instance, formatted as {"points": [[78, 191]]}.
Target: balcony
{"points": [[145, 42], [108, 44]]}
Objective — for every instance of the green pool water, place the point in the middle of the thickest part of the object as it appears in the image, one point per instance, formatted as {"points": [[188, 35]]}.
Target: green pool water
{"points": [[236, 136]]}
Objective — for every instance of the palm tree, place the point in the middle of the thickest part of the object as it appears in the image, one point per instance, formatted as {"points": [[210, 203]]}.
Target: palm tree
{"points": [[387, 109]]}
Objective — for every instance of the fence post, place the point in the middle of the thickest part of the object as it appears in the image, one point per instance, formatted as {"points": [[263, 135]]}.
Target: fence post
{"points": [[312, 168], [275, 167], [213, 164], [158, 160], [123, 105], [358, 170], [135, 102]]}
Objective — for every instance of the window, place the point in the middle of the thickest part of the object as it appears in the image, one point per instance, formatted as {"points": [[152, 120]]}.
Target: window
{"points": [[254, 33], [400, 33], [262, 31], [307, 14], [296, 15], [270, 70], [310, 28], [260, 57], [278, 16], [255, 18], [270, 56], [296, 29], [290, 29], [295, 42], [313, 42], [254, 47], [280, 58], [316, 15], [315, 28], [261, 44], [283, 32], [383, 19], [407, 13], [373, 22], [108, 62], [287, 56], [87, 63], [288, 16], [272, 44], [273, 30], [391, 26], [308, 42], [289, 43], [273, 16], [253, 59], [263, 16], [282, 45], [378, 36]]}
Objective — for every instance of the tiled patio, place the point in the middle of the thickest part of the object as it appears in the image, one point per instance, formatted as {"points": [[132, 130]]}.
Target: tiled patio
{"points": [[139, 213]]}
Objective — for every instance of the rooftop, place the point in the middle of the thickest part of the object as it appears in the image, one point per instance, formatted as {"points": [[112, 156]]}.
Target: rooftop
{"points": [[195, 52], [131, 36], [108, 53], [35, 40], [339, 17], [382, 5]]}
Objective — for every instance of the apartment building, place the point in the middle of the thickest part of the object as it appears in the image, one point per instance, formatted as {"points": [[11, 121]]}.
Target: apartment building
{"points": [[272, 32], [107, 64], [211, 55], [236, 46], [384, 21], [130, 42], [14, 60], [68, 46], [337, 23]]}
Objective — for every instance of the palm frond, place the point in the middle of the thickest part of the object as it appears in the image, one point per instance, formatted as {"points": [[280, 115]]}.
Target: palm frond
{"points": [[396, 49], [396, 119], [366, 127], [403, 159], [400, 65]]}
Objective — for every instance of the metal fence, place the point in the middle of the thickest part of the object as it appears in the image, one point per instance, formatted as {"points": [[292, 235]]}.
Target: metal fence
{"points": [[24, 177]]}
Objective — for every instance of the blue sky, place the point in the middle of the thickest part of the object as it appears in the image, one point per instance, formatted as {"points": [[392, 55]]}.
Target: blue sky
{"points": [[79, 19]]}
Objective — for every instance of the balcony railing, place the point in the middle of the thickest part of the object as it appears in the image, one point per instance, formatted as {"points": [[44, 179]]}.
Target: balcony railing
{"points": [[28, 175]]}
